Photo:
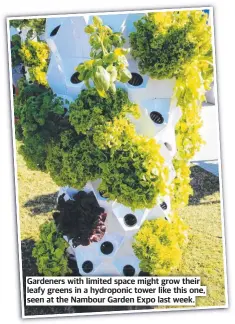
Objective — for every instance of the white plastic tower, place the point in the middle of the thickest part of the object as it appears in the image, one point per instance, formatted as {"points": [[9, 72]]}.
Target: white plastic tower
{"points": [[69, 46]]}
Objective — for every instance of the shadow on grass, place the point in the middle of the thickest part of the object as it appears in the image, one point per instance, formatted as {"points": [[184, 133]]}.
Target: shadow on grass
{"points": [[204, 184], [29, 268], [42, 204]]}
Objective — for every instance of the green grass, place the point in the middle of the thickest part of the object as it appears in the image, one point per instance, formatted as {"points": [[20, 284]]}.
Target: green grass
{"points": [[202, 257], [204, 253], [37, 196]]}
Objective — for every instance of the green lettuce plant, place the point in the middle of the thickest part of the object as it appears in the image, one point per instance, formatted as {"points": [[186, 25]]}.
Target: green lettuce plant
{"points": [[108, 62], [90, 110], [36, 106], [73, 160], [192, 82], [135, 173], [35, 56], [181, 189], [158, 245], [38, 112], [50, 252], [34, 150], [25, 90], [165, 41]]}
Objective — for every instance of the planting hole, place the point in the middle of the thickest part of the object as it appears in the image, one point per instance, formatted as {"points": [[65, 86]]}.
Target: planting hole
{"points": [[87, 266], [128, 270], [75, 78], [136, 80], [106, 248], [156, 117], [130, 220], [55, 31], [168, 146], [163, 205]]}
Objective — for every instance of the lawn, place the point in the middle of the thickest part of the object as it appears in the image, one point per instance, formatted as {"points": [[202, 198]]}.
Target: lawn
{"points": [[204, 254], [202, 257]]}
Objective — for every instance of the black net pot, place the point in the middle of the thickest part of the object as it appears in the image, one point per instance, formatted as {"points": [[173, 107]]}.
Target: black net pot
{"points": [[106, 247]]}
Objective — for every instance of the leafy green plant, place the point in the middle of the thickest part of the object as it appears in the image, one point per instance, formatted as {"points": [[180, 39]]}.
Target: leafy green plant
{"points": [[35, 56], [36, 26], [15, 50], [41, 111], [135, 173], [34, 53], [36, 106], [38, 113], [25, 90], [189, 92], [130, 166], [192, 82], [34, 150], [108, 62], [158, 244], [181, 189], [50, 252], [90, 110], [81, 219], [73, 160], [165, 41]]}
